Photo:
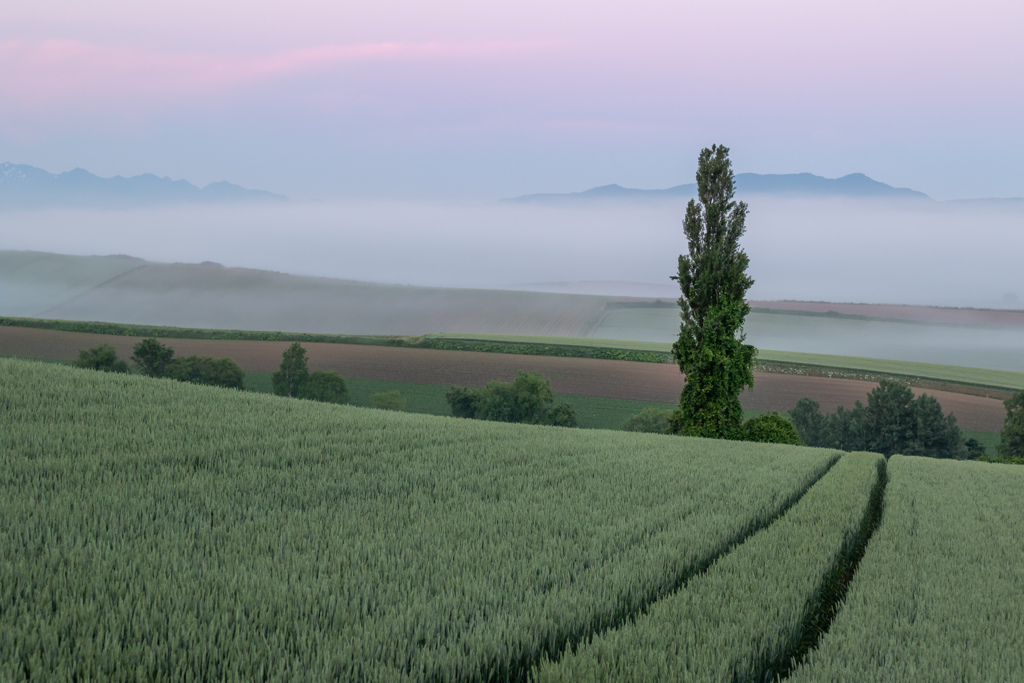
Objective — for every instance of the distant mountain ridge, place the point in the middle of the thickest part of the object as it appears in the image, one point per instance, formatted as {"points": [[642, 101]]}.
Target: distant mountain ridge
{"points": [[24, 186], [801, 184]]}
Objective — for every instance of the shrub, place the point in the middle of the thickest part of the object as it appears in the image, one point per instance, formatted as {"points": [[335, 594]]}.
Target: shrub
{"points": [[463, 401], [771, 428], [528, 399], [217, 372], [653, 420], [103, 358], [389, 400], [561, 415], [324, 386]]}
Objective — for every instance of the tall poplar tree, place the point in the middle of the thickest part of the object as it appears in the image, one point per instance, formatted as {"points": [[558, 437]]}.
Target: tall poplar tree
{"points": [[714, 282]]}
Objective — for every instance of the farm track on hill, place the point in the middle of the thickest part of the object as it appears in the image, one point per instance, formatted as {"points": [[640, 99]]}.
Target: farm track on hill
{"points": [[580, 376]]}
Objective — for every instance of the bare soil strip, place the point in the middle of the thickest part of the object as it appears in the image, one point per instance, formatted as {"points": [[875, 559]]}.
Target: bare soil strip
{"points": [[580, 376]]}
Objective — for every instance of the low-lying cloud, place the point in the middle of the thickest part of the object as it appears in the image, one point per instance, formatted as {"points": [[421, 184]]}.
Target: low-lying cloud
{"points": [[932, 253]]}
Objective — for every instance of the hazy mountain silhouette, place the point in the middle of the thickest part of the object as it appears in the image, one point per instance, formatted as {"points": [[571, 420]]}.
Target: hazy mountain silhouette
{"points": [[800, 184], [23, 186]]}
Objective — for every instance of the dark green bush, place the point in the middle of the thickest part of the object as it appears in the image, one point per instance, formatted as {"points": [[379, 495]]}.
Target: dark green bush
{"points": [[324, 386], [103, 358], [561, 415], [528, 399], [653, 420], [771, 428], [217, 372]]}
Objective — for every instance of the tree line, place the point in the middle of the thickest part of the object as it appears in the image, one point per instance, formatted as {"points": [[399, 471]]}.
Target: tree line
{"points": [[157, 360]]}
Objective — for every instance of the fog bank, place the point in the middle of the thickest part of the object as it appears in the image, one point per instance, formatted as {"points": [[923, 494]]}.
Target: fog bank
{"points": [[927, 253]]}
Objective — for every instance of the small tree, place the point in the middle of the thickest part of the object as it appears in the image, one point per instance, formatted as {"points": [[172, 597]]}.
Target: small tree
{"points": [[103, 358], [935, 435], [713, 281], [891, 418], [388, 400], [846, 430], [526, 399], [324, 386], [293, 372], [809, 421], [1011, 439], [152, 357]]}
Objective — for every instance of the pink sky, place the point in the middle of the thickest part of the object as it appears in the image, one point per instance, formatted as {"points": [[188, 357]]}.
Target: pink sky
{"points": [[478, 99]]}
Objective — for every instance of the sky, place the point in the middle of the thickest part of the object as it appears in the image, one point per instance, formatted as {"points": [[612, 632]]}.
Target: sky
{"points": [[458, 100]]}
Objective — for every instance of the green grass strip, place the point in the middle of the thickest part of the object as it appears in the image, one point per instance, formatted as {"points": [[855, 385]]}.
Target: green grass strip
{"points": [[1002, 379], [166, 332], [938, 594], [757, 607]]}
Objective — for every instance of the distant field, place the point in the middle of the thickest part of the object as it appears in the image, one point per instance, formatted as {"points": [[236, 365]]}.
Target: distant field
{"points": [[32, 282], [124, 290], [1005, 379], [983, 317], [593, 412], [614, 379], [212, 296], [996, 347]]}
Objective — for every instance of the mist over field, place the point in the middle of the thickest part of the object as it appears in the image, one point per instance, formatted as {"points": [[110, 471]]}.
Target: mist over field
{"points": [[921, 252]]}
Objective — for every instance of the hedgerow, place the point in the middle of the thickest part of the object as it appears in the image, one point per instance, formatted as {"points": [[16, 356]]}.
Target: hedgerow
{"points": [[149, 526]]}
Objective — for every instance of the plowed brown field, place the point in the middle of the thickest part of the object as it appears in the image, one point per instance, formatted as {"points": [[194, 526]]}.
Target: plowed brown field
{"points": [[580, 376]]}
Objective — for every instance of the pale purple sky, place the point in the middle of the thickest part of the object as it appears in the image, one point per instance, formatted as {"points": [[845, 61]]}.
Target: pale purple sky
{"points": [[317, 98]]}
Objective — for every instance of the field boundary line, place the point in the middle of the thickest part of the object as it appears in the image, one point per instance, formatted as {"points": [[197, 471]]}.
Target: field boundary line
{"points": [[520, 671], [835, 587]]}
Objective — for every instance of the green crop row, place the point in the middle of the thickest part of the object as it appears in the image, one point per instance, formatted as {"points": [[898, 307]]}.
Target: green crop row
{"points": [[150, 527], [938, 596], [756, 608]]}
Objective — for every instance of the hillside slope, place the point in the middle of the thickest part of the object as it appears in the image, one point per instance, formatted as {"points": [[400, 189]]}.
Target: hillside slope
{"points": [[163, 526]]}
